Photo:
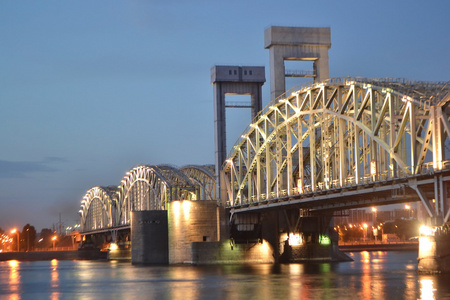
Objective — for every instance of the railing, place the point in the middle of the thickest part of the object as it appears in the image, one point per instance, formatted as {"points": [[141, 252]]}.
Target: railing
{"points": [[300, 73]]}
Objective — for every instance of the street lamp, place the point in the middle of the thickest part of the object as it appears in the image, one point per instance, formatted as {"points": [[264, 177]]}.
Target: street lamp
{"points": [[54, 239], [374, 215], [408, 208], [28, 239], [365, 231], [17, 232]]}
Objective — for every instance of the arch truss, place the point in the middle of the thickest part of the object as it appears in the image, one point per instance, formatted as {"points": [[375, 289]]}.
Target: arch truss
{"points": [[204, 177], [150, 188], [145, 187], [98, 208], [339, 133]]}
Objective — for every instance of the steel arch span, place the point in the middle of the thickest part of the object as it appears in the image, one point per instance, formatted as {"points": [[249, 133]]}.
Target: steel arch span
{"points": [[202, 176], [98, 208], [147, 187], [339, 133], [144, 187]]}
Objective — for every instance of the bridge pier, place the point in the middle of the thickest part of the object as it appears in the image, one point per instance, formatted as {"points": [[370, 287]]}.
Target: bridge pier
{"points": [[295, 237], [310, 238], [149, 237], [434, 249]]}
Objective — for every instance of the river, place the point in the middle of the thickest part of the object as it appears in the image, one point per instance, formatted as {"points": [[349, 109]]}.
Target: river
{"points": [[372, 275]]}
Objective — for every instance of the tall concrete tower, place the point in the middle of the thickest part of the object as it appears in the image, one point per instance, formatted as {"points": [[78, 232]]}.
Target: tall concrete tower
{"points": [[296, 43], [233, 80]]}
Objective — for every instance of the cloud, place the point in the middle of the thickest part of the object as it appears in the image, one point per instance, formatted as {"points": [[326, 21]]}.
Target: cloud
{"points": [[21, 169]]}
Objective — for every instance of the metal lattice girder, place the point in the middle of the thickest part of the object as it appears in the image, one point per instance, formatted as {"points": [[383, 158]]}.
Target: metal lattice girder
{"points": [[98, 208], [204, 177], [342, 132], [145, 187]]}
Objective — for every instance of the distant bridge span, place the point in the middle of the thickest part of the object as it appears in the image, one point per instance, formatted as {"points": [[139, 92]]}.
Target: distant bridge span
{"points": [[343, 143], [144, 187]]}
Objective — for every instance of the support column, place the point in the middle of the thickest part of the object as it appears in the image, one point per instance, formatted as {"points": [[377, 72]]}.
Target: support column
{"points": [[149, 237], [238, 81], [296, 43], [434, 250]]}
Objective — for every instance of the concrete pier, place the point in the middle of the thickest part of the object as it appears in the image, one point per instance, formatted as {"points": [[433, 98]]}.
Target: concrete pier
{"points": [[434, 251], [192, 222], [149, 237]]}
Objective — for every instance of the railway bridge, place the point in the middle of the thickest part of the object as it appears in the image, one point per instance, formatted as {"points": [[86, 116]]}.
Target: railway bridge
{"points": [[345, 143], [315, 150]]}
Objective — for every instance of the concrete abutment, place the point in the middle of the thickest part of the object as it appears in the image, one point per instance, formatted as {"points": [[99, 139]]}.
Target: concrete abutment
{"points": [[434, 250]]}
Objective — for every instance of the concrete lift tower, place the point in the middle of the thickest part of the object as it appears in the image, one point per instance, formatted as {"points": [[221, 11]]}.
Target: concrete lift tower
{"points": [[233, 80], [296, 43]]}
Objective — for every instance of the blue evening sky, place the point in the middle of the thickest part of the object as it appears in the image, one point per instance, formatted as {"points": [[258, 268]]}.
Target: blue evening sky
{"points": [[88, 89]]}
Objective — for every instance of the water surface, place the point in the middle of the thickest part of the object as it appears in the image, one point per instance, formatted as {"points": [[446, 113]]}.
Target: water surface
{"points": [[372, 275]]}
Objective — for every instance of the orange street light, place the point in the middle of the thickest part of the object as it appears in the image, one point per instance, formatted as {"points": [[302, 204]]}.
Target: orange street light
{"points": [[17, 232], [54, 239], [365, 231]]}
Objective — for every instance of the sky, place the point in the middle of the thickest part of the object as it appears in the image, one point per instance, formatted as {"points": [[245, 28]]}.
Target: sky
{"points": [[89, 89]]}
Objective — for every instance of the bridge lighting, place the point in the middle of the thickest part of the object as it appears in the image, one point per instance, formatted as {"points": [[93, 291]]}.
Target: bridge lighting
{"points": [[186, 208], [373, 167], [295, 239], [324, 240], [427, 231], [407, 99], [113, 246]]}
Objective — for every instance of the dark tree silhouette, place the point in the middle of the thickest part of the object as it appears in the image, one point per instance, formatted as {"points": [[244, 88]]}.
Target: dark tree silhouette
{"points": [[27, 238]]}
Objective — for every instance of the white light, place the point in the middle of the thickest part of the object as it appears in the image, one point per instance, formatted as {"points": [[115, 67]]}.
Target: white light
{"points": [[295, 239], [427, 231]]}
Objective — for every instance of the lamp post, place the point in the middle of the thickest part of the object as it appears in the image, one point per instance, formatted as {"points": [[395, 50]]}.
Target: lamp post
{"points": [[28, 239], [17, 232], [54, 239], [374, 215], [408, 208], [365, 231]]}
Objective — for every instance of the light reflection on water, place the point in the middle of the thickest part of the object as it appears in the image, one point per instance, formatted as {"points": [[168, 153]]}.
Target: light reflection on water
{"points": [[372, 275]]}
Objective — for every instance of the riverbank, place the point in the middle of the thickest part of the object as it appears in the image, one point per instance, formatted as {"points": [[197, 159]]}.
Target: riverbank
{"points": [[371, 246], [49, 255], [101, 255]]}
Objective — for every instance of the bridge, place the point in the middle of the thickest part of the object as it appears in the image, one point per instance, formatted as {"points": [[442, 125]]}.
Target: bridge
{"points": [[345, 143], [144, 187], [321, 148], [324, 147]]}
